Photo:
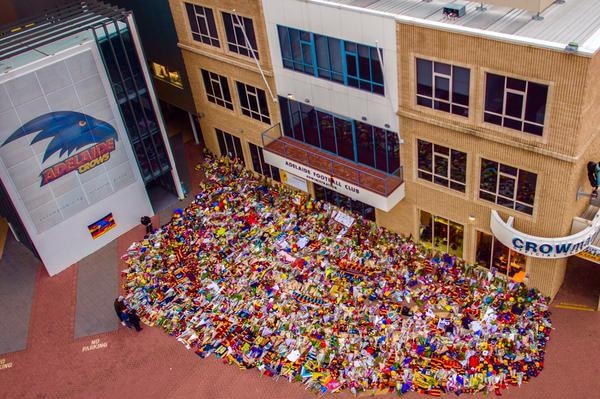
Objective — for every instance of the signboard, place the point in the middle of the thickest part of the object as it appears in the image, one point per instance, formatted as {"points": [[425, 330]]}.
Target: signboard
{"points": [[293, 181], [333, 183], [59, 142], [65, 158], [591, 253], [543, 247]]}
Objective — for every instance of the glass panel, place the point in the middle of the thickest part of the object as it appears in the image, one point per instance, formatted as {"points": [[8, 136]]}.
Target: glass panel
{"points": [[381, 150], [364, 140], [256, 164], [295, 42], [307, 53], [426, 102], [345, 144], [494, 93], [364, 62], [440, 149], [456, 239], [424, 77], [424, 150], [393, 150], [506, 186], [322, 50], [327, 131], [442, 106], [500, 257], [284, 42], [440, 67], [225, 87], [229, 145], [376, 73], [492, 118], [211, 23], [440, 165], [426, 228], [309, 121], [535, 109], [534, 129], [238, 149], [351, 65], [517, 263], [442, 88], [285, 116], [512, 124], [458, 110], [440, 233], [242, 94], [297, 120], [335, 56], [221, 140], [515, 84], [514, 105], [484, 249], [487, 196], [526, 187], [509, 203], [489, 173], [192, 17], [511, 170], [460, 85], [458, 166]]}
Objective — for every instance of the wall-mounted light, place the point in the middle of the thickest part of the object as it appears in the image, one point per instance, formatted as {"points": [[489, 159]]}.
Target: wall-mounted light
{"points": [[471, 218], [290, 96], [364, 118], [306, 100], [387, 125]]}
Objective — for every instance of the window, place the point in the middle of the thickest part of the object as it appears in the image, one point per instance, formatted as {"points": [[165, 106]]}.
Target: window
{"points": [[443, 87], [325, 194], [259, 165], [217, 89], [202, 24], [353, 140], [253, 102], [442, 165], [240, 34], [229, 145], [507, 186], [341, 61], [163, 73], [515, 103], [441, 234], [492, 253]]}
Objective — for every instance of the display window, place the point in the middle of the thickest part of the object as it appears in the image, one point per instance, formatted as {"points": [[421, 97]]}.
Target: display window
{"points": [[441, 234], [491, 253]]}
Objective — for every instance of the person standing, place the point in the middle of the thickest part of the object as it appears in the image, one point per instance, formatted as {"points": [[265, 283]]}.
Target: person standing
{"points": [[121, 309], [147, 222], [134, 320]]}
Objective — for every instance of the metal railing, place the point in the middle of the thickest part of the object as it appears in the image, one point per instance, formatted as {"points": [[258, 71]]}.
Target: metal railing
{"points": [[317, 159]]}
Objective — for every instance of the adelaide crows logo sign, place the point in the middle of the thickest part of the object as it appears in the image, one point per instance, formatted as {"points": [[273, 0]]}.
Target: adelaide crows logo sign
{"points": [[69, 131]]}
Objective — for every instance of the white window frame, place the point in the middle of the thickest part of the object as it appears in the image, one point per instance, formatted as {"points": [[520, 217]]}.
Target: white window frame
{"points": [[433, 172], [253, 94], [215, 80], [515, 179], [202, 18]]}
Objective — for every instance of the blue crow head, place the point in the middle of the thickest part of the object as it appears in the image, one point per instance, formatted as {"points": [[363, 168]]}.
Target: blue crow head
{"points": [[69, 130]]}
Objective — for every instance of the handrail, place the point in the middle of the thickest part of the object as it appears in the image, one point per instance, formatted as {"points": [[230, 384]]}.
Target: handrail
{"points": [[327, 165]]}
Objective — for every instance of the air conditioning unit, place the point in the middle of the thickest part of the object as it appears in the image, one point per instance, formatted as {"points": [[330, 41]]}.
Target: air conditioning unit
{"points": [[454, 10]]}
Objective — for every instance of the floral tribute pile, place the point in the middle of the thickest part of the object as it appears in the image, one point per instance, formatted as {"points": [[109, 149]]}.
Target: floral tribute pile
{"points": [[265, 277]]}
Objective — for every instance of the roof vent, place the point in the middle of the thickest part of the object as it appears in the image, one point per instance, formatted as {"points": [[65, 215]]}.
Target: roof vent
{"points": [[454, 10]]}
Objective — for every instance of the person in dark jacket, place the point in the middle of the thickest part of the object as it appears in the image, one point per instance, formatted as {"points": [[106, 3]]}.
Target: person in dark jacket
{"points": [[133, 320], [121, 309], [147, 222]]}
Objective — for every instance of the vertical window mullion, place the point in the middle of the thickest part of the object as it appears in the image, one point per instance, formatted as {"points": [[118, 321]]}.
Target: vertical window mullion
{"points": [[313, 53], [354, 141], [344, 64]]}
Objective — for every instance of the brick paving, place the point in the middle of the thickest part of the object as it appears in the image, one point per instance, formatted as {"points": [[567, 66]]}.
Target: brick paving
{"points": [[151, 364]]}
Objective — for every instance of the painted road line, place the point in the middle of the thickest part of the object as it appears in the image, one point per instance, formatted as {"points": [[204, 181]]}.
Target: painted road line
{"points": [[575, 307], [94, 345], [4, 365]]}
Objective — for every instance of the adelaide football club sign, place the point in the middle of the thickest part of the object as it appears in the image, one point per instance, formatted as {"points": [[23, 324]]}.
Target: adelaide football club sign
{"points": [[70, 131]]}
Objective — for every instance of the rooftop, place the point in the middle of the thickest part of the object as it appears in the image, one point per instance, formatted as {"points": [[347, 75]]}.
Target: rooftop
{"points": [[561, 23], [54, 30]]}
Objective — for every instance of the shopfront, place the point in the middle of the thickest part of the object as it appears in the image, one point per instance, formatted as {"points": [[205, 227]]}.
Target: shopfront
{"points": [[441, 234]]}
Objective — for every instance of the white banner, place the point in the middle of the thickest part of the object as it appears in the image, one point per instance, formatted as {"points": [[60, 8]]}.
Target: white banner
{"points": [[543, 247], [333, 183]]}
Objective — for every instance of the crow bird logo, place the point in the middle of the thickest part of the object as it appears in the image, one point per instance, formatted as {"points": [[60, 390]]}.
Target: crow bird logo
{"points": [[69, 130]]}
